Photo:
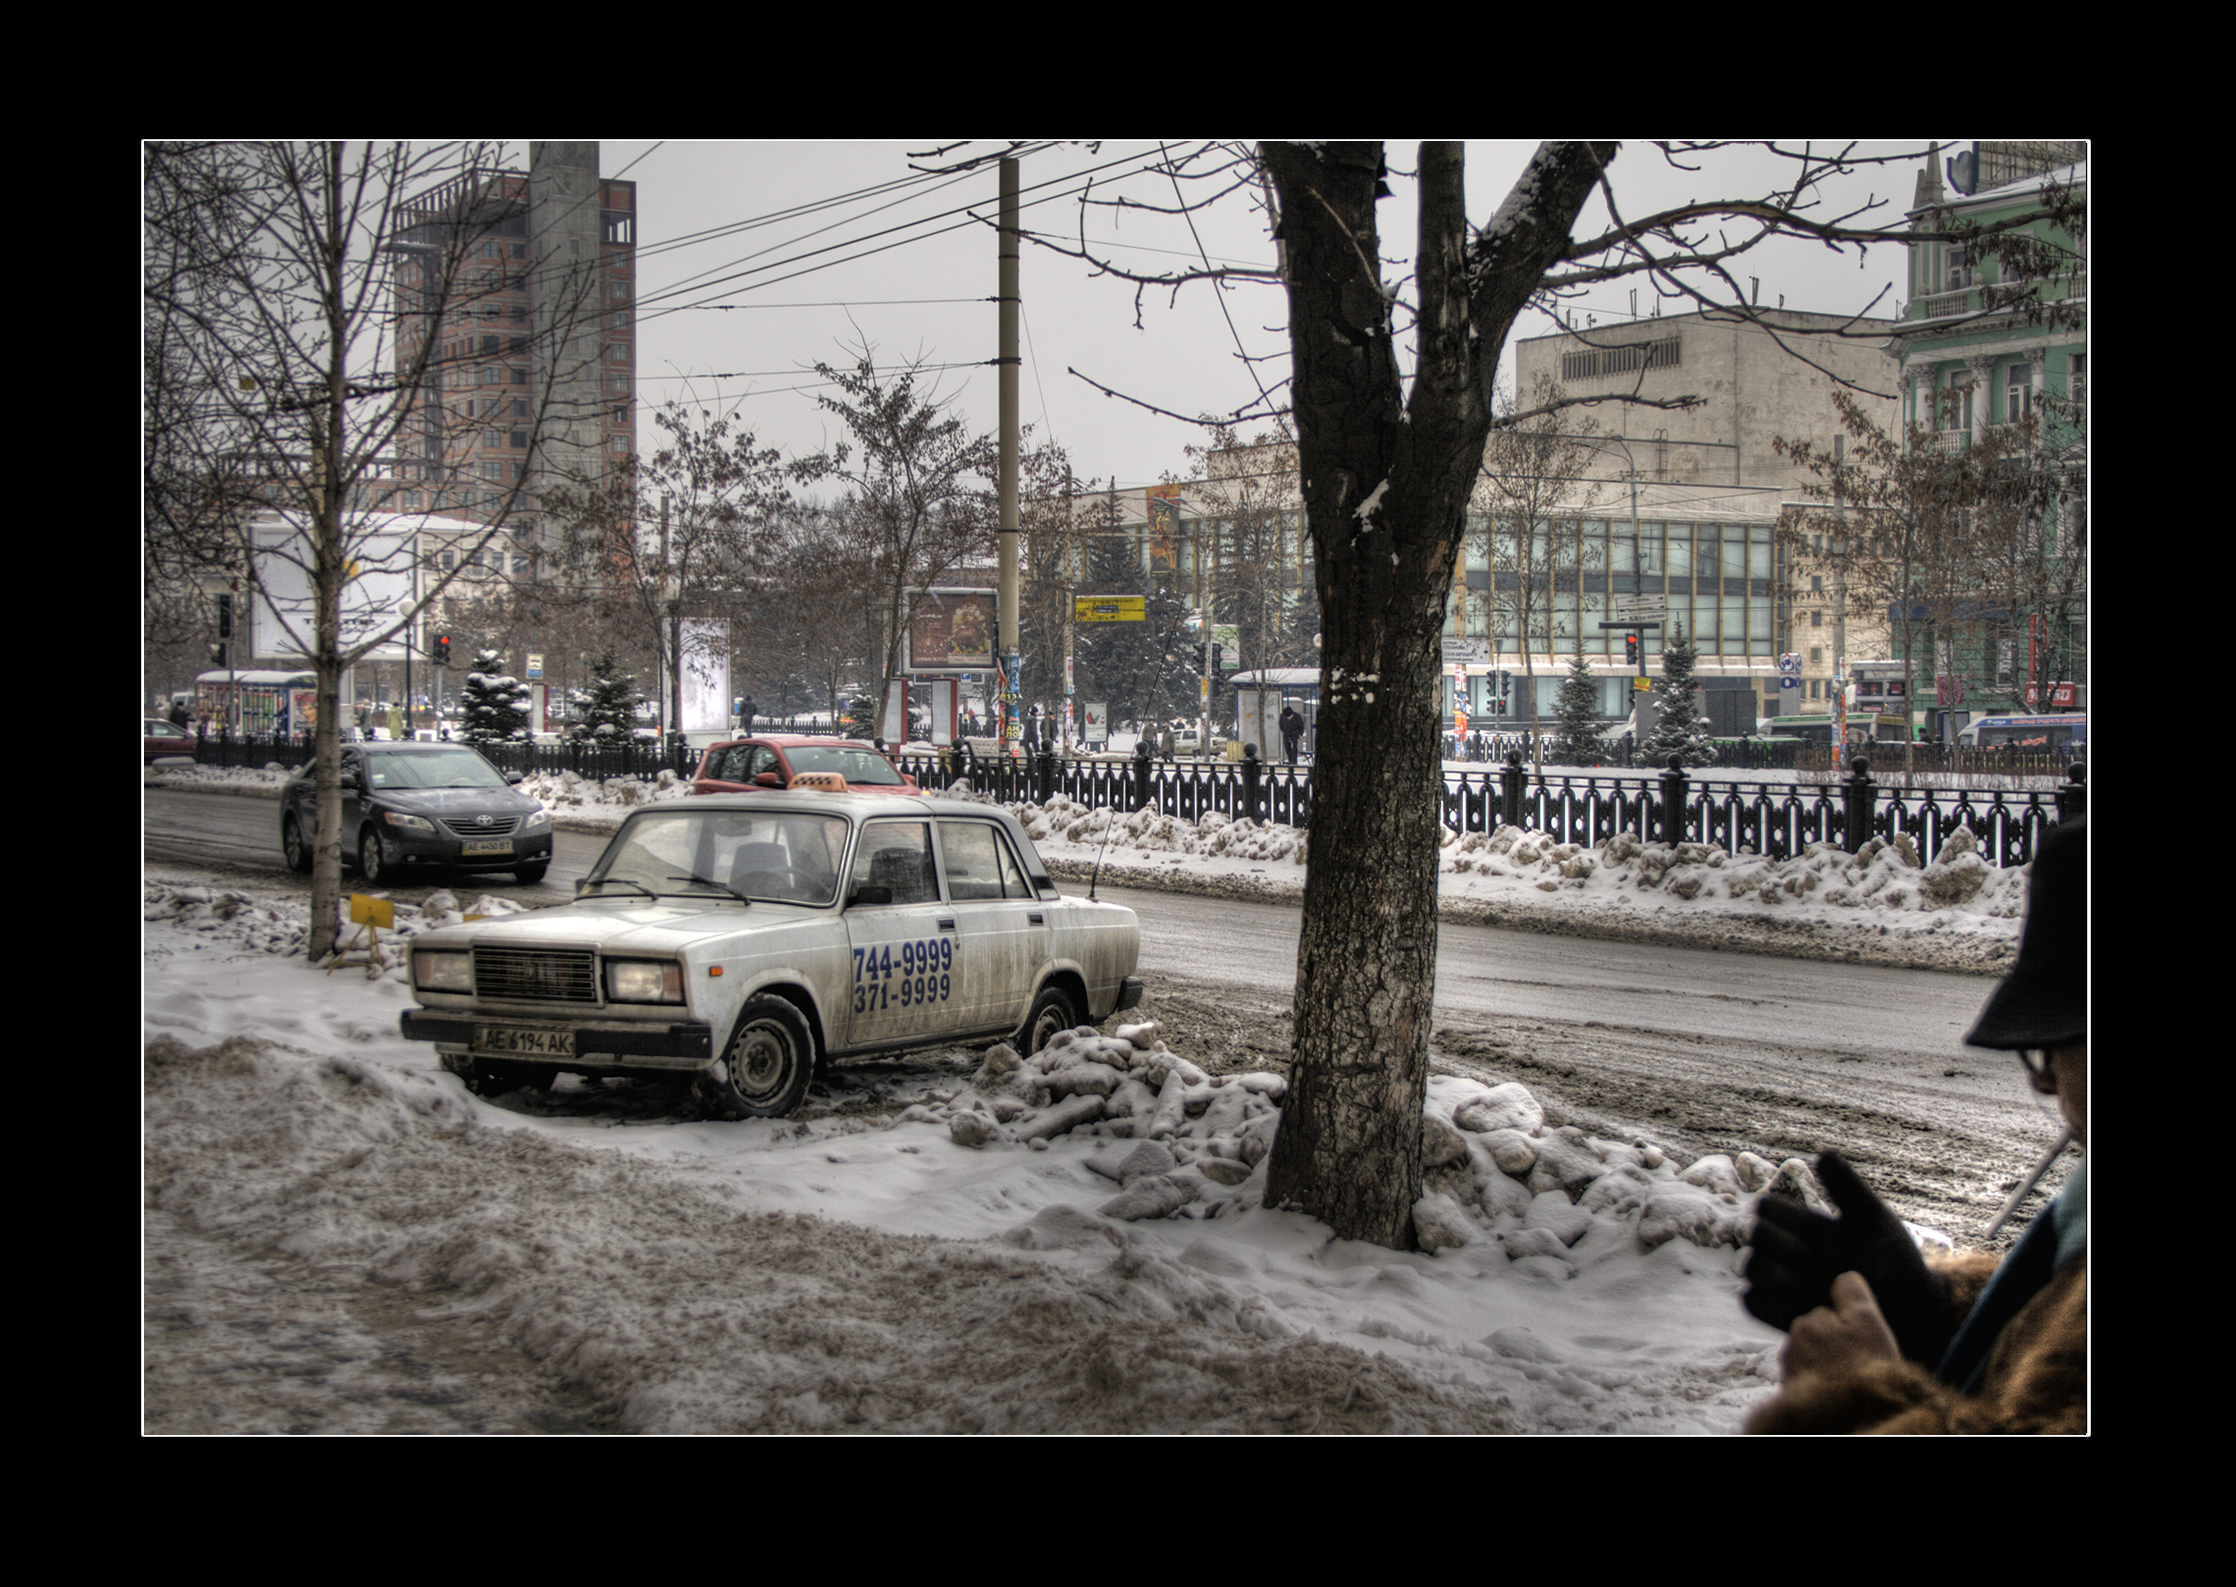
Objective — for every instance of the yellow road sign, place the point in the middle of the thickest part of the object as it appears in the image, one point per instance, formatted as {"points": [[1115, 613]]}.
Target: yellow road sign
{"points": [[1110, 608]]}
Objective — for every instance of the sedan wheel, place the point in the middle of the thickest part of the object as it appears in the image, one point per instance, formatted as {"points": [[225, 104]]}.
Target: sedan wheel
{"points": [[293, 844], [1052, 1012], [372, 859], [765, 1071]]}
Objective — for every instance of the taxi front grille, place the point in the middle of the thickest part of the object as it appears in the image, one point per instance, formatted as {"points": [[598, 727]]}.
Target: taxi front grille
{"points": [[536, 975]]}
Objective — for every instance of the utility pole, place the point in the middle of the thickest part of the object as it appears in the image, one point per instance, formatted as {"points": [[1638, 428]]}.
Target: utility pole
{"points": [[1840, 609], [1006, 366]]}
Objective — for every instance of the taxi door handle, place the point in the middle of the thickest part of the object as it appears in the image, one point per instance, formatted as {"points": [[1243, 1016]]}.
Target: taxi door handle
{"points": [[1036, 918], [947, 925]]}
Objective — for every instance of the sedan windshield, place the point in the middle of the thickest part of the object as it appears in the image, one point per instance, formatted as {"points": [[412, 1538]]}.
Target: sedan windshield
{"points": [[783, 857], [445, 768]]}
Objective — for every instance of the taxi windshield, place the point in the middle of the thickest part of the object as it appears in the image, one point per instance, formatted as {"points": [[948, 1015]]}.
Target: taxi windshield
{"points": [[857, 763], [782, 857]]}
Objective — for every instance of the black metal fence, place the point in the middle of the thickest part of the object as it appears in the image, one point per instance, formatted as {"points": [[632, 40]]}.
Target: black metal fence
{"points": [[592, 758], [1777, 820]]}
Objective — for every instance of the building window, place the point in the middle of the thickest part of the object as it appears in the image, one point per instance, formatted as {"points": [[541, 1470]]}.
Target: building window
{"points": [[1593, 363], [491, 374], [520, 440], [520, 377], [1956, 399], [2076, 381], [520, 250], [1816, 584], [621, 292], [1816, 652], [2018, 393], [1816, 619], [621, 320], [1960, 268], [621, 383]]}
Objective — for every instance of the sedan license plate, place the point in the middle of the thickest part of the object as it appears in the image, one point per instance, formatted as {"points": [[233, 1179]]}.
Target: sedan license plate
{"points": [[486, 846], [516, 1039]]}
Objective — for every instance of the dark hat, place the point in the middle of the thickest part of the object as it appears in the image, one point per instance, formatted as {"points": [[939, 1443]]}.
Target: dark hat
{"points": [[2043, 1002]]}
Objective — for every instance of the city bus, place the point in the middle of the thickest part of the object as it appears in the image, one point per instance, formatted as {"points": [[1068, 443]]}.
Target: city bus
{"points": [[2041, 734], [1817, 729]]}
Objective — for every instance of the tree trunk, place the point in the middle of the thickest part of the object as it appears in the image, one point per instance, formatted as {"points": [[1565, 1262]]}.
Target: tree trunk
{"points": [[1386, 483]]}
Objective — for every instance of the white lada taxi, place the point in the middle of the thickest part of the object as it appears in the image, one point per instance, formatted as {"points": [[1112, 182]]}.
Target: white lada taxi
{"points": [[743, 938]]}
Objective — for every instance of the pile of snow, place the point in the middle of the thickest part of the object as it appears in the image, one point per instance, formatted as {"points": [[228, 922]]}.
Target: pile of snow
{"points": [[247, 919], [570, 793]]}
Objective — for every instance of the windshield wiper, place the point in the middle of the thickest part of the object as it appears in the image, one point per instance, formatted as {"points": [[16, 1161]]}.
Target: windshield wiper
{"points": [[618, 881], [709, 882]]}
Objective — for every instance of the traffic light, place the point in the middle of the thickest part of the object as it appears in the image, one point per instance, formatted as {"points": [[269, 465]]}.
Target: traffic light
{"points": [[224, 616], [1630, 650], [217, 654], [442, 650]]}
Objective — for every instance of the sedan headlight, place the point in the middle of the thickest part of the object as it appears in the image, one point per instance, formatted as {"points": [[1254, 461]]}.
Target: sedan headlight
{"points": [[540, 818], [644, 981], [442, 972], [397, 818]]}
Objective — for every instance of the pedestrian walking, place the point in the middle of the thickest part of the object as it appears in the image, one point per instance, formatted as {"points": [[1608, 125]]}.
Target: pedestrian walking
{"points": [[1292, 731], [1880, 1340]]}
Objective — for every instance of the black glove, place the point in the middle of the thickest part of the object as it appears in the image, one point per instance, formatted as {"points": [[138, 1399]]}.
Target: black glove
{"points": [[1797, 1254]]}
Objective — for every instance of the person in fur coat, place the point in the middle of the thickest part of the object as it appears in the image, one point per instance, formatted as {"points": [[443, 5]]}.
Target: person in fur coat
{"points": [[1881, 1340]]}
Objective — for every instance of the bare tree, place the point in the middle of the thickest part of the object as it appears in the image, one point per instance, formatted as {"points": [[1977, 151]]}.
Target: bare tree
{"points": [[1534, 488], [298, 370], [916, 487], [1389, 458], [673, 536], [1261, 575], [1939, 547]]}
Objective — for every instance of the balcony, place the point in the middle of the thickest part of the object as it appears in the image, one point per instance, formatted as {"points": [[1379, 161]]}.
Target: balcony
{"points": [[1940, 305]]}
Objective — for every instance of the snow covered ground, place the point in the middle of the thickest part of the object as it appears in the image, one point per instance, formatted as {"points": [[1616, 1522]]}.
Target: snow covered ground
{"points": [[341, 1238]]}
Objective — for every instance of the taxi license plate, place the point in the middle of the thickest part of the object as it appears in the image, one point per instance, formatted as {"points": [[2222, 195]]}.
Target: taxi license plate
{"points": [[486, 846], [515, 1039]]}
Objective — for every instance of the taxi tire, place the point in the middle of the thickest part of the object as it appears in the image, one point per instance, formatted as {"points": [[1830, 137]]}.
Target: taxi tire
{"points": [[1052, 1012], [529, 875], [767, 1065], [293, 844]]}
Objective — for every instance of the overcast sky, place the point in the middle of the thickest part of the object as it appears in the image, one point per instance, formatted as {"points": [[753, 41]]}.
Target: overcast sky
{"points": [[743, 288]]}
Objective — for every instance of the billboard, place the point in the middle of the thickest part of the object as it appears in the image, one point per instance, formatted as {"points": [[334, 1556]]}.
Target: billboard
{"points": [[952, 631], [706, 676], [379, 587]]}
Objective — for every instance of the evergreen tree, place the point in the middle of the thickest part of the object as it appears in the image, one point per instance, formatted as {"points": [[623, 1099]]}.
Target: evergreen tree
{"points": [[610, 709], [1679, 728], [1582, 740], [494, 706]]}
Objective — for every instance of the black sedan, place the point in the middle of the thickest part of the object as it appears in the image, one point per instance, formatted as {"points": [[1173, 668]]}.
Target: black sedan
{"points": [[420, 805]]}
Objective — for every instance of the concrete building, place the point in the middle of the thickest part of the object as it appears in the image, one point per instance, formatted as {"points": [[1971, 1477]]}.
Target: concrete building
{"points": [[1710, 487], [535, 339]]}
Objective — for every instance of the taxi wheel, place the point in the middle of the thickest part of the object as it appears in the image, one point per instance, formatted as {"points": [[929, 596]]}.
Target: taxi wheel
{"points": [[529, 875], [293, 844], [1052, 1012], [767, 1066], [372, 859]]}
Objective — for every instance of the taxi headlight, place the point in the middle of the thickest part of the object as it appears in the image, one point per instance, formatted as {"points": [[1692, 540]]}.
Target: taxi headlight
{"points": [[442, 972], [644, 981]]}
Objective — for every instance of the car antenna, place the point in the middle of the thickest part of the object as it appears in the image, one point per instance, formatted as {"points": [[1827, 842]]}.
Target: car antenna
{"points": [[1108, 827]]}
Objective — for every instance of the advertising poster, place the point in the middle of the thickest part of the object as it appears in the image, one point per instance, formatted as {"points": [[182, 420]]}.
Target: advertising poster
{"points": [[1163, 502], [706, 676], [953, 631]]}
